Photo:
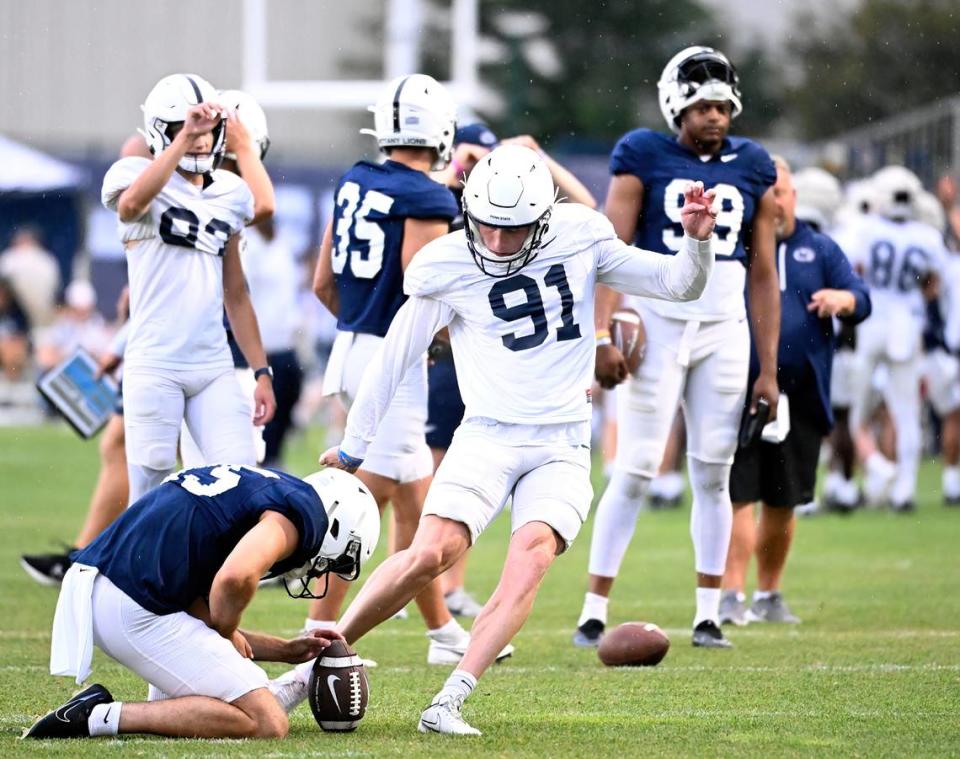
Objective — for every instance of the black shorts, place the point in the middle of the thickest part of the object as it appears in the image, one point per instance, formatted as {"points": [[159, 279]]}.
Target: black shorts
{"points": [[444, 404], [782, 475]]}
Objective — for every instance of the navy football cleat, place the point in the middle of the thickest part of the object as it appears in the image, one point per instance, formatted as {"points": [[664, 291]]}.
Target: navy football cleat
{"points": [[708, 635], [589, 634], [70, 720]]}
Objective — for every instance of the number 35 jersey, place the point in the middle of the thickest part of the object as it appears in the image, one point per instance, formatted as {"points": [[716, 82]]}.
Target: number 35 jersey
{"points": [[740, 174], [175, 266], [372, 203]]}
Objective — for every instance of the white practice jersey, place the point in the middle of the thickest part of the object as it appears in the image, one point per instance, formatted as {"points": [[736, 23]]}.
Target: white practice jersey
{"points": [[175, 266], [523, 345], [894, 258]]}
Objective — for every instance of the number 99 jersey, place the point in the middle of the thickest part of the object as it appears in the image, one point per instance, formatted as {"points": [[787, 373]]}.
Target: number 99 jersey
{"points": [[175, 267], [373, 202], [740, 173]]}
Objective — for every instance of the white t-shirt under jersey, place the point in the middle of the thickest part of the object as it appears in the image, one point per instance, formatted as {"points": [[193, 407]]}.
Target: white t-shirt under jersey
{"points": [[175, 266], [524, 344]]}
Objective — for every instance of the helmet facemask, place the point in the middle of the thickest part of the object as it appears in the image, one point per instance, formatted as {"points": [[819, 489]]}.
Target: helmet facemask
{"points": [[497, 266], [694, 75]]}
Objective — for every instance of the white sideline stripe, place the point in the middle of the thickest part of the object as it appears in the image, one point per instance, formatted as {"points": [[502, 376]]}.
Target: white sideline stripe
{"points": [[506, 668]]}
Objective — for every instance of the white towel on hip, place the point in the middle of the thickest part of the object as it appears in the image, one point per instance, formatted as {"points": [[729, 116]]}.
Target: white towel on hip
{"points": [[71, 649]]}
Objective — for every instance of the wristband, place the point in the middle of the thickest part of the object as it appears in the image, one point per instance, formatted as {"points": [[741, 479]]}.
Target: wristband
{"points": [[604, 341], [263, 370], [348, 460]]}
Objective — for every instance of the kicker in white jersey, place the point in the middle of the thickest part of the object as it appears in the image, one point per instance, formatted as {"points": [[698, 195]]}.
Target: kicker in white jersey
{"points": [[175, 265], [523, 344]]}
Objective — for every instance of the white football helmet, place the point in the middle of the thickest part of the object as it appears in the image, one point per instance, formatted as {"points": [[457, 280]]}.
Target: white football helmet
{"points": [[819, 195], [251, 114], [895, 192], [510, 187], [930, 211], [694, 74], [415, 111], [353, 529], [167, 104]]}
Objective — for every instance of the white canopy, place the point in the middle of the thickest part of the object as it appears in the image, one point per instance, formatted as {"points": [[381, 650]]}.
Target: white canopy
{"points": [[23, 169]]}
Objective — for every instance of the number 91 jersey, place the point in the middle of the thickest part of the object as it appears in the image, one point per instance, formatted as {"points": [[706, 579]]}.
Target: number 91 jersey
{"points": [[373, 202], [740, 174], [175, 267]]}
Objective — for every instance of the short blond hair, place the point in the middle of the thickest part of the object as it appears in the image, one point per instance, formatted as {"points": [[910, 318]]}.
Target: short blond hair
{"points": [[781, 163]]}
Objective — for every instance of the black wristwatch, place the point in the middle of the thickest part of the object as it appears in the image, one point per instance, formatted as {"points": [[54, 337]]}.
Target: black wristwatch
{"points": [[263, 370]]}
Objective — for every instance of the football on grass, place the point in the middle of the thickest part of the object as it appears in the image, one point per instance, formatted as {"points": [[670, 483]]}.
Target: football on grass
{"points": [[338, 688], [634, 644], [628, 335]]}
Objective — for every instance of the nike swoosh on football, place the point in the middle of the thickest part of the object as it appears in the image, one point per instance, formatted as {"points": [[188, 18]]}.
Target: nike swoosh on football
{"points": [[728, 158], [333, 692]]}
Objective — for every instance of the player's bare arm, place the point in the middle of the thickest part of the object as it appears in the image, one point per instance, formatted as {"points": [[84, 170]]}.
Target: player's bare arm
{"points": [[324, 283], [251, 168], [763, 287], [417, 233], [135, 200], [624, 201], [243, 322]]}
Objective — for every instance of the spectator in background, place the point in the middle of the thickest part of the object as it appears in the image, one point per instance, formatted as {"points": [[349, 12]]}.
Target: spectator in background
{"points": [[947, 195], [14, 334], [34, 275], [275, 278], [79, 325], [816, 284]]}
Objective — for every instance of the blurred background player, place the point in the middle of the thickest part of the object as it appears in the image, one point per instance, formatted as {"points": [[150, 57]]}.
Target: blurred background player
{"points": [[384, 213], [816, 285], [180, 221], [901, 260], [697, 352], [445, 404]]}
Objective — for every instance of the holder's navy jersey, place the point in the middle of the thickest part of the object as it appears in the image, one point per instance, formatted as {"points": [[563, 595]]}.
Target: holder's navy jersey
{"points": [[741, 172], [165, 550], [372, 203]]}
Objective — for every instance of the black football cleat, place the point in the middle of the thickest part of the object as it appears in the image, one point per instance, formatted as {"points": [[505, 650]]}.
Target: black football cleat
{"points": [[589, 634], [70, 720], [708, 635], [903, 507], [951, 501], [47, 568]]}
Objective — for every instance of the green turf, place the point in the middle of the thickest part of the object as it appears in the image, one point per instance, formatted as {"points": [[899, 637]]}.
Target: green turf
{"points": [[874, 670]]}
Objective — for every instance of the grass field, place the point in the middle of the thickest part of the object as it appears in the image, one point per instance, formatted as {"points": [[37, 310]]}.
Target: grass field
{"points": [[874, 670]]}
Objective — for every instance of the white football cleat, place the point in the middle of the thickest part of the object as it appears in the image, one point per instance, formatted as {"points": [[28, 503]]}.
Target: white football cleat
{"points": [[443, 716], [449, 649]]}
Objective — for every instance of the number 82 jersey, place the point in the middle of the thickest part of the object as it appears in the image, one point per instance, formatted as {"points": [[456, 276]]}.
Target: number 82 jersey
{"points": [[740, 173], [373, 202]]}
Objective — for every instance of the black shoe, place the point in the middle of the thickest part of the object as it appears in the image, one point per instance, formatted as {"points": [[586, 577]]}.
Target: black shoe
{"points": [[951, 501], [664, 503], [904, 507], [70, 720], [708, 635], [588, 635], [48, 568]]}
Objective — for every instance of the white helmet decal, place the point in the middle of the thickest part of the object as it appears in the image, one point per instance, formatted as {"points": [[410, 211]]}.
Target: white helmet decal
{"points": [[415, 111], [509, 187], [167, 104], [694, 74]]}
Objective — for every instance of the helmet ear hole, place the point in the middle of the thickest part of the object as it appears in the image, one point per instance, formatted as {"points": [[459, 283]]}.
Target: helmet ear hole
{"points": [[335, 529]]}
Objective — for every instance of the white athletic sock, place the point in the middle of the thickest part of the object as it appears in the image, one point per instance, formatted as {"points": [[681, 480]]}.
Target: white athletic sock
{"points": [[458, 686], [951, 481], [833, 484], [319, 624], [708, 606], [594, 607], [615, 521], [670, 484], [762, 595], [711, 518], [448, 633], [104, 719]]}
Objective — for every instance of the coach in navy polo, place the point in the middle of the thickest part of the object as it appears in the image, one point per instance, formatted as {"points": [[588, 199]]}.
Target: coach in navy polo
{"points": [[816, 284]]}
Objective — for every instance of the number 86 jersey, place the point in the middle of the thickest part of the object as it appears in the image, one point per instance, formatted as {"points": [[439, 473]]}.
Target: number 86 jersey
{"points": [[740, 173], [373, 202], [175, 266]]}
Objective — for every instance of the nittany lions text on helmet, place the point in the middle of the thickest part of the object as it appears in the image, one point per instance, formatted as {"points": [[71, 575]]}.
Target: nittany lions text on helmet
{"points": [[251, 116], [167, 104], [415, 111], [510, 187], [695, 74]]}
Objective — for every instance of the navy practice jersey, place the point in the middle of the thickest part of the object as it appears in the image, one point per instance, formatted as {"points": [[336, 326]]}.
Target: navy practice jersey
{"points": [[372, 203], [741, 172], [809, 261], [165, 550]]}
